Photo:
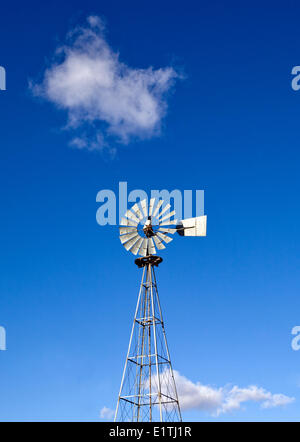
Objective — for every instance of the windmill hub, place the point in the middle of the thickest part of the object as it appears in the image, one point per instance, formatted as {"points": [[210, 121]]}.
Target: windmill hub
{"points": [[148, 228]]}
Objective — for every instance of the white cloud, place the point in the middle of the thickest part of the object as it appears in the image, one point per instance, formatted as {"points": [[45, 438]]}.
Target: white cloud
{"points": [[104, 98], [106, 413], [224, 399]]}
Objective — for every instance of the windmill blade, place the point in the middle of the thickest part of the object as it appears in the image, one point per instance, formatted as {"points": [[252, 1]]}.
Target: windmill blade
{"points": [[128, 236], [167, 217], [158, 243], [137, 211], [132, 216], [151, 205], [163, 230], [127, 222], [137, 246], [130, 243], [169, 223], [124, 230], [144, 247], [157, 207], [164, 238], [144, 208], [167, 207], [193, 226]]}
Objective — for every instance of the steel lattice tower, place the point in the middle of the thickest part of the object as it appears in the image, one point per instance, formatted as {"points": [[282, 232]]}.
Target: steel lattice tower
{"points": [[148, 391]]}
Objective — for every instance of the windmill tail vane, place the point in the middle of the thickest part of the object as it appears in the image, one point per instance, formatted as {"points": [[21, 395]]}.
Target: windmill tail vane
{"points": [[148, 390]]}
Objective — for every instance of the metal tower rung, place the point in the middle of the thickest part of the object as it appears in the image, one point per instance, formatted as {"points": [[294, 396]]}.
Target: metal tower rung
{"points": [[174, 401], [146, 323], [148, 356], [150, 403], [127, 400], [148, 365], [148, 319], [147, 395]]}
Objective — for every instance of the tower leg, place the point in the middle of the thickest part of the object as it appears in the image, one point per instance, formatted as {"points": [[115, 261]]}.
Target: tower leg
{"points": [[148, 391]]}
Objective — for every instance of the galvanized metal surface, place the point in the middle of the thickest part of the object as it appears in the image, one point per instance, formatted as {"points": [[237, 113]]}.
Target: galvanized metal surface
{"points": [[148, 390]]}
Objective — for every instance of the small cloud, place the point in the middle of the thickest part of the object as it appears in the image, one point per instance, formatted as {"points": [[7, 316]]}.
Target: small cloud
{"points": [[106, 413], [104, 98]]}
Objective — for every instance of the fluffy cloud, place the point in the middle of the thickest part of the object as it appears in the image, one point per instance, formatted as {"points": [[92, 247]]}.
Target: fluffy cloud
{"points": [[224, 399], [104, 98]]}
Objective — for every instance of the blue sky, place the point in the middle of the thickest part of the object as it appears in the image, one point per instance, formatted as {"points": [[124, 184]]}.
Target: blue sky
{"points": [[68, 288]]}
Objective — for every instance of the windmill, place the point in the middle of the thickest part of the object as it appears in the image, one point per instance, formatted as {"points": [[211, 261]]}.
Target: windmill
{"points": [[148, 390]]}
